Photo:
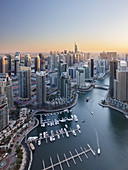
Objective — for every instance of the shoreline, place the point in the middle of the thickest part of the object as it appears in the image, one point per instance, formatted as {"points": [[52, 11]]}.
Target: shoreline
{"points": [[57, 110], [114, 108]]}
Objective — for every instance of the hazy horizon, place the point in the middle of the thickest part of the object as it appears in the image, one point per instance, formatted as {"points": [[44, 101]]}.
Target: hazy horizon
{"points": [[95, 26]]}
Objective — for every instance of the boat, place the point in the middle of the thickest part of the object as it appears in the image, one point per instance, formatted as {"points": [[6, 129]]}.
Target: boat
{"points": [[74, 133], [51, 139], [44, 134], [126, 116], [75, 118], [98, 151], [40, 135], [87, 99], [78, 126], [83, 121], [66, 126], [69, 119], [62, 120], [39, 142], [91, 112]]}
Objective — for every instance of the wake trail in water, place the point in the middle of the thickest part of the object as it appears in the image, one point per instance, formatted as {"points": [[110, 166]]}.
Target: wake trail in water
{"points": [[97, 139]]}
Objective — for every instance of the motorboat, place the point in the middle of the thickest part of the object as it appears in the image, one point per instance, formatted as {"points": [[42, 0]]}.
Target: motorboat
{"points": [[78, 126], [91, 112], [62, 120], [39, 142], [75, 118], [98, 151], [74, 133], [87, 99]]}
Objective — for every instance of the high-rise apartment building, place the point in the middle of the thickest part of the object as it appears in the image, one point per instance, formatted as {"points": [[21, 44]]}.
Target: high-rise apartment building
{"points": [[41, 88], [27, 60], [121, 82], [62, 67], [25, 83], [4, 62], [9, 63], [4, 112], [6, 89], [86, 68], [80, 77], [37, 63], [16, 65], [113, 68], [72, 72], [91, 67], [65, 91], [42, 62]]}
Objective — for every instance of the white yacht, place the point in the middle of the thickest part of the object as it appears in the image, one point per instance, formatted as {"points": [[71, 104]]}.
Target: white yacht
{"points": [[62, 120], [98, 151], [78, 126], [39, 142], [75, 118], [74, 133], [91, 112]]}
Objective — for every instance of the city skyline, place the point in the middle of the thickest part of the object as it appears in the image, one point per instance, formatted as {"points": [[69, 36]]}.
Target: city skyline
{"points": [[56, 25]]}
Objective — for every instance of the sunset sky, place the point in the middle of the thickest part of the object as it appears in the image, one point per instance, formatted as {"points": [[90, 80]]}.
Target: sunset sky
{"points": [[44, 25]]}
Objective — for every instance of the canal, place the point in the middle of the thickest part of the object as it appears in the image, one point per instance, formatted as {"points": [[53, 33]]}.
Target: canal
{"points": [[106, 128]]}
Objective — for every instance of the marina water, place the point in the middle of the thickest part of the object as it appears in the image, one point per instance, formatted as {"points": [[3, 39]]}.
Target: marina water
{"points": [[106, 128]]}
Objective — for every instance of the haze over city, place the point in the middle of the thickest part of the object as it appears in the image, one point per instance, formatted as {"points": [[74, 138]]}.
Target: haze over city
{"points": [[56, 25]]}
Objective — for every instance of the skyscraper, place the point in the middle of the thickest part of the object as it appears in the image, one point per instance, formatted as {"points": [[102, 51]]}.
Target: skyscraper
{"points": [[91, 67], [113, 67], [50, 62], [72, 72], [80, 77], [9, 63], [41, 88], [76, 50], [6, 89], [62, 67], [37, 63], [121, 82], [27, 60], [86, 68], [4, 61], [42, 62], [18, 55], [65, 91], [25, 83], [16, 65], [4, 112]]}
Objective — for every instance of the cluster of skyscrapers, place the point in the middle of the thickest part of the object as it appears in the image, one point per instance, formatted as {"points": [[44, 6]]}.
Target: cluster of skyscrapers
{"points": [[59, 70]]}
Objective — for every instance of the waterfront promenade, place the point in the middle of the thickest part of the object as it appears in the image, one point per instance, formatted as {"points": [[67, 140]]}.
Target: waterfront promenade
{"points": [[57, 109]]}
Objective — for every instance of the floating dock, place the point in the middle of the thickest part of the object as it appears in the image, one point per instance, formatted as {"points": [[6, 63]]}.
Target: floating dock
{"points": [[72, 157]]}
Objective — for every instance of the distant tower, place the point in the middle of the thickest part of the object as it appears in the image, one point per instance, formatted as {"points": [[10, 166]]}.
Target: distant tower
{"points": [[27, 60], [41, 88], [4, 60], [25, 83], [9, 63], [37, 63], [42, 62], [76, 50], [16, 65]]}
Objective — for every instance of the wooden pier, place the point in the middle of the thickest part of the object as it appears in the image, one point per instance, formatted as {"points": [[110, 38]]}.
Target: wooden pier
{"points": [[72, 157]]}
